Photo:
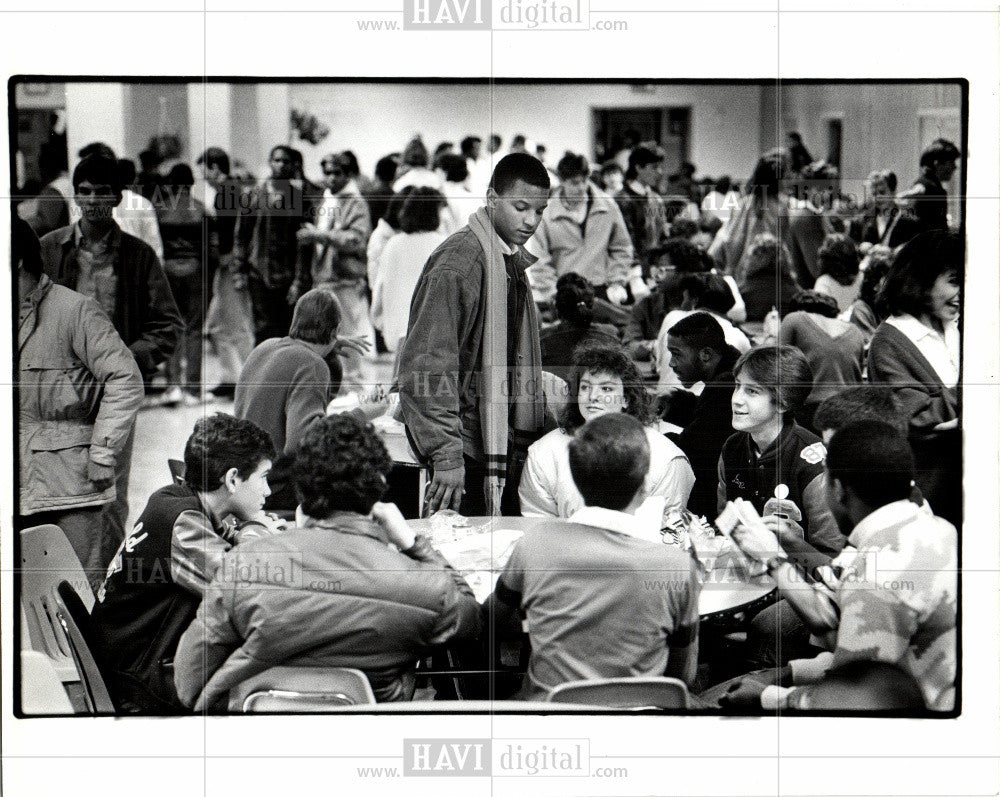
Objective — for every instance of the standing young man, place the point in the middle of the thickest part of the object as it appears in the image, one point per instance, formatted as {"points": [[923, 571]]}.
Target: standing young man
{"points": [[470, 382], [124, 276]]}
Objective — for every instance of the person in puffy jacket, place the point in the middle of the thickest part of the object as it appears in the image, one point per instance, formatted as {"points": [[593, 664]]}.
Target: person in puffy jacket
{"points": [[351, 585], [79, 389]]}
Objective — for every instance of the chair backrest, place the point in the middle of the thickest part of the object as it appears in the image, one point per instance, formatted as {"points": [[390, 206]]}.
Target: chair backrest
{"points": [[177, 470], [638, 692], [70, 610], [304, 690], [47, 558], [42, 691]]}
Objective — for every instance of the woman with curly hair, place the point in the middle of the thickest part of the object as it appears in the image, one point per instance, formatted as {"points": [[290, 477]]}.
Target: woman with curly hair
{"points": [[604, 380]]}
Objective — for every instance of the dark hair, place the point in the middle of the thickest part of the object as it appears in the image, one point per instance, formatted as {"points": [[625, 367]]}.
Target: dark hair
{"points": [[640, 157], [454, 167], [701, 331], [597, 359], [24, 247], [873, 460], [519, 166], [877, 262], [468, 144], [916, 267], [609, 460], [838, 257], [782, 371], [293, 154], [574, 300], [98, 170], [865, 685], [351, 162], [385, 169], [126, 172], [341, 465], [724, 184], [219, 443], [708, 291], [496, 139], [395, 205], [861, 403], [684, 256], [316, 317], [767, 255], [180, 175], [421, 211], [683, 228], [97, 148], [939, 151], [815, 302], [415, 153], [215, 156], [572, 165], [765, 182]]}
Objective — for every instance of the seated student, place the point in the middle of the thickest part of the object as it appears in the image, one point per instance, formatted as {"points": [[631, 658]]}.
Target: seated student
{"points": [[699, 353], [583, 584], [333, 591], [916, 351], [157, 578], [839, 276], [708, 293], [862, 313], [576, 327], [835, 349], [285, 384], [771, 450], [605, 381], [675, 258], [777, 635], [902, 614]]}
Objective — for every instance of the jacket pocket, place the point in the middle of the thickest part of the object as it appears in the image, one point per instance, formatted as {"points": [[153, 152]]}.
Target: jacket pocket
{"points": [[59, 457]]}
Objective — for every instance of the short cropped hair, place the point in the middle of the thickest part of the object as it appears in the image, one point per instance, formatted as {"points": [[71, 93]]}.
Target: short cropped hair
{"points": [[455, 169], [609, 460], [861, 403], [180, 175], [316, 317], [639, 158], [701, 331], [873, 460], [572, 165], [886, 176], [214, 156], [519, 166], [708, 291], [782, 371], [415, 153], [606, 359], [468, 144], [98, 170], [219, 443], [341, 465], [421, 211], [293, 154], [939, 151], [915, 269], [838, 256], [815, 302], [25, 248], [96, 148]]}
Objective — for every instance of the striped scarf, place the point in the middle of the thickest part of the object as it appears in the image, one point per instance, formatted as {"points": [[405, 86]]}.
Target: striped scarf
{"points": [[529, 403]]}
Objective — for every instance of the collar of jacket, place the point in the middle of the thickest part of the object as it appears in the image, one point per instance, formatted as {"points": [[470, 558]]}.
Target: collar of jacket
{"points": [[29, 308], [114, 235], [345, 523], [771, 453]]}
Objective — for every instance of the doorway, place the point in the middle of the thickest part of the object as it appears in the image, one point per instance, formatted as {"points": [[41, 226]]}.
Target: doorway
{"points": [[667, 126]]}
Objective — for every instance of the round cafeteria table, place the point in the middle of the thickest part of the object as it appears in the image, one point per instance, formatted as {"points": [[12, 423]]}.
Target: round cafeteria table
{"points": [[480, 550]]}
